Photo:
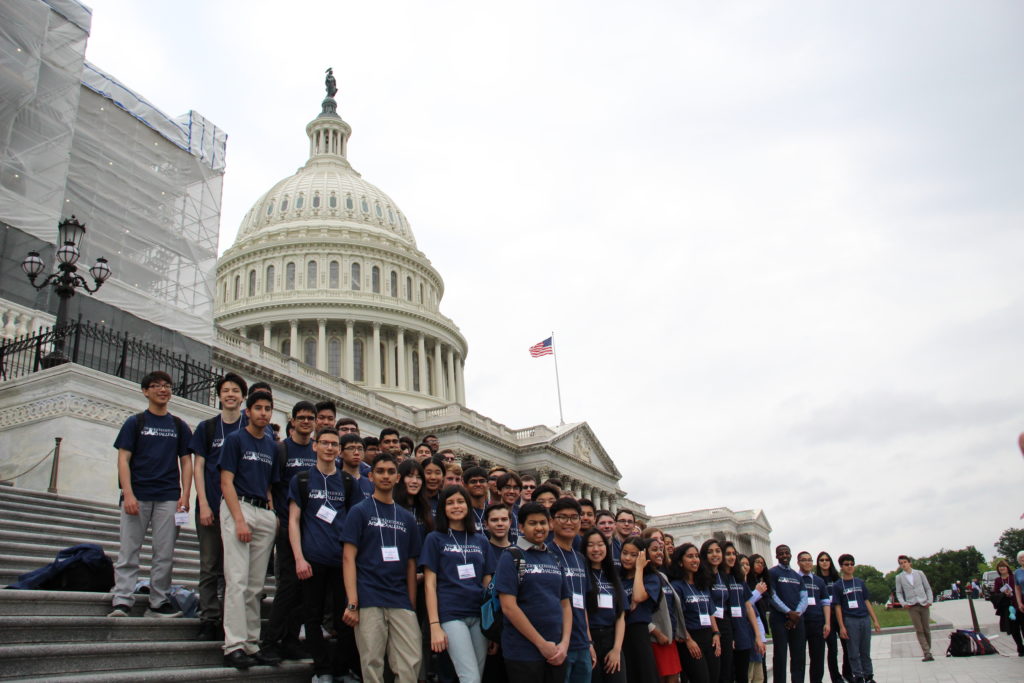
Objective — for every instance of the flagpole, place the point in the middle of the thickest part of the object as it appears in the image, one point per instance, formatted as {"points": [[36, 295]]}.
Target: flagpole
{"points": [[558, 384]]}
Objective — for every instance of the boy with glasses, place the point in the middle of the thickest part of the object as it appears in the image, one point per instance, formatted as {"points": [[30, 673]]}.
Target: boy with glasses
{"points": [[352, 462], [853, 609], [580, 658], [529, 483]]}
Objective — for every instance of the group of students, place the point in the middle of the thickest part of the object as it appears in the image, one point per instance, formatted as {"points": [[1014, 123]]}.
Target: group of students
{"points": [[396, 556]]}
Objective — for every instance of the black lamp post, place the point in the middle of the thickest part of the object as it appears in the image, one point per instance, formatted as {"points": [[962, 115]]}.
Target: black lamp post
{"points": [[66, 280]]}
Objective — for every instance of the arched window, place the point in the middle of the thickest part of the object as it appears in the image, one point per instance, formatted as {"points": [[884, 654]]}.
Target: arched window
{"points": [[284, 204], [289, 276], [421, 292], [332, 201], [378, 210], [300, 201], [309, 352], [286, 347], [364, 205], [332, 275], [408, 288], [311, 275], [356, 277], [316, 200], [268, 285], [383, 365], [415, 370], [252, 283], [238, 286], [225, 298], [349, 204], [394, 283], [375, 280], [334, 357], [357, 361], [270, 207]]}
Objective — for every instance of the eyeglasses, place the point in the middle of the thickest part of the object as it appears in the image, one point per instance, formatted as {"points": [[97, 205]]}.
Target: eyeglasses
{"points": [[511, 488], [846, 564], [476, 481], [567, 518], [348, 429], [160, 385], [352, 448], [492, 478], [529, 487], [330, 445], [305, 418]]}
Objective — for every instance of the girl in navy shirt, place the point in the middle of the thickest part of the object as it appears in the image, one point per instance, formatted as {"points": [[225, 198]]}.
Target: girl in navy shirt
{"points": [[747, 639], [826, 569], [457, 565], [712, 557], [701, 652], [410, 494], [605, 609], [433, 481], [642, 589]]}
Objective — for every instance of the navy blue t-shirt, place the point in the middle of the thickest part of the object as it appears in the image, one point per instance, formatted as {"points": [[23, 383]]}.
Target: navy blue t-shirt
{"points": [[787, 585], [364, 484], [321, 542], [604, 617], [642, 613], [298, 458], [211, 463], [817, 595], [539, 595], [742, 631], [844, 591], [252, 461], [457, 598], [372, 526], [696, 602], [579, 584], [154, 463]]}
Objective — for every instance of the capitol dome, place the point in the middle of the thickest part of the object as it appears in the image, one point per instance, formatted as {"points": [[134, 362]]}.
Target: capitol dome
{"points": [[325, 269]]}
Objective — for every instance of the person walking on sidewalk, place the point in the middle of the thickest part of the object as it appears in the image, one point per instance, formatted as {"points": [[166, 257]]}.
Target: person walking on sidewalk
{"points": [[915, 593]]}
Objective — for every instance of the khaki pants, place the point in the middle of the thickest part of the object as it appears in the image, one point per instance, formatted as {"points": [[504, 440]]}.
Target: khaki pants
{"points": [[245, 572], [919, 618], [394, 630]]}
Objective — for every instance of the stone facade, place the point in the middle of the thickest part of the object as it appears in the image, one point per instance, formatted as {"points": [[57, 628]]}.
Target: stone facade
{"points": [[748, 529]]}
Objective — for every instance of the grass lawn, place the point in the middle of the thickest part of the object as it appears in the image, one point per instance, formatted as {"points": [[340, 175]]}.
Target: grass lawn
{"points": [[891, 617]]}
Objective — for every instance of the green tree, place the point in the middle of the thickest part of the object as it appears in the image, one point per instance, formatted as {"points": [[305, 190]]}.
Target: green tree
{"points": [[1010, 543], [878, 589], [947, 566]]}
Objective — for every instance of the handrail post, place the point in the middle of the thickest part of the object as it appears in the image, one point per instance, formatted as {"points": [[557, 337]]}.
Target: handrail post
{"points": [[55, 466]]}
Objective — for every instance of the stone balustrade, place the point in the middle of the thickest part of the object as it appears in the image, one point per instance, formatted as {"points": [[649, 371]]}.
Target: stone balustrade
{"points": [[17, 320]]}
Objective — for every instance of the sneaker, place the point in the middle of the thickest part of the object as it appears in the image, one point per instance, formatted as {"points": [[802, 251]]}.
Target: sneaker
{"points": [[118, 611], [165, 610], [928, 658]]}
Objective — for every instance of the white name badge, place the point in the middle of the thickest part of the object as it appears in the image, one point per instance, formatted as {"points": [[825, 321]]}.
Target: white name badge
{"points": [[736, 612], [811, 601], [577, 600], [466, 571], [180, 518], [719, 612], [853, 604], [389, 553], [605, 601], [327, 514], [705, 620]]}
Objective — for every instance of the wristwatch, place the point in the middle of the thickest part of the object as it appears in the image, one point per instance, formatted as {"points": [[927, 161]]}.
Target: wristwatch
{"points": [[352, 607]]}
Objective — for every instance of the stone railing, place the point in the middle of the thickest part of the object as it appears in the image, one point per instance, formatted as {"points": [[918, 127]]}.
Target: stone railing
{"points": [[17, 320]]}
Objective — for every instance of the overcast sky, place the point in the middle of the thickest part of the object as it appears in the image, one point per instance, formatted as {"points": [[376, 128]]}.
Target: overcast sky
{"points": [[780, 247]]}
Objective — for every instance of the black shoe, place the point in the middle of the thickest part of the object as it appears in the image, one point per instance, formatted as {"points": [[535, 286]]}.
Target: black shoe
{"points": [[210, 630], [239, 660], [267, 657], [293, 650], [165, 610]]}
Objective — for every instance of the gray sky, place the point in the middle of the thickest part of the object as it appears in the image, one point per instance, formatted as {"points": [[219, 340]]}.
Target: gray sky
{"points": [[779, 246]]}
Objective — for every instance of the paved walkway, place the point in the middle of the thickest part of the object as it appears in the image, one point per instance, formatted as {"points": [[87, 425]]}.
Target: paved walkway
{"points": [[897, 656]]}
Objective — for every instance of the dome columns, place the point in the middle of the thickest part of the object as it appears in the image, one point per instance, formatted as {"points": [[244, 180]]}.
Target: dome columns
{"points": [[350, 334], [321, 345], [375, 354]]}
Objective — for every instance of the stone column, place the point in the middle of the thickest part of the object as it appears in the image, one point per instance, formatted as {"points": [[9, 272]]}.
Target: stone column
{"points": [[295, 338], [421, 349], [401, 361], [450, 389], [460, 387], [438, 366], [374, 380], [350, 343], [585, 492], [266, 334], [321, 344]]}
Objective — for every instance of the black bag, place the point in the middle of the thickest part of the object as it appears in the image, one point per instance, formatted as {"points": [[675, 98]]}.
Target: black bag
{"points": [[964, 643]]}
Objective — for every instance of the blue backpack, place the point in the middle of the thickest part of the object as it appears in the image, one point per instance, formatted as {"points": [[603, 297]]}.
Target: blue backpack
{"points": [[490, 610]]}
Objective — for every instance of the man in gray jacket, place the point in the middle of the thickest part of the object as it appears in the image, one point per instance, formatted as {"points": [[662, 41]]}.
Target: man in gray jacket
{"points": [[915, 594]]}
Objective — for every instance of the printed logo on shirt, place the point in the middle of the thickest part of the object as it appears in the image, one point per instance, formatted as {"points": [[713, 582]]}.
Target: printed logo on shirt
{"points": [[538, 568], [334, 496], [458, 549], [217, 442], [575, 573], [300, 462], [163, 432], [787, 579], [259, 457], [396, 524]]}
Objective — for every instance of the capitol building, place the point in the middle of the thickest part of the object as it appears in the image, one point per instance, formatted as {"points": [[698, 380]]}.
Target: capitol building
{"points": [[324, 293]]}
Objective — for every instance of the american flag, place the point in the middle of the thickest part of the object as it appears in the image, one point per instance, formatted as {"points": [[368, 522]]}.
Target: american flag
{"points": [[543, 348]]}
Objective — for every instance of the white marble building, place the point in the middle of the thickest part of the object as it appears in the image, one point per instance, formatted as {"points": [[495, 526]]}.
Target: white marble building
{"points": [[748, 529]]}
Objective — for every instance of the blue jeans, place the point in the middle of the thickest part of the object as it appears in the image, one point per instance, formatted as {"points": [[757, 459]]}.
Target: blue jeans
{"points": [[859, 643], [577, 666], [467, 648]]}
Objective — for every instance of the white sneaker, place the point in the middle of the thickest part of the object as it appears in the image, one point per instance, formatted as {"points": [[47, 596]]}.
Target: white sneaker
{"points": [[118, 611]]}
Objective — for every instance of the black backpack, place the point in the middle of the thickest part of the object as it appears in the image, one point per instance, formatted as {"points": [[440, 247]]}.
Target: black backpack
{"points": [[965, 643], [348, 481]]}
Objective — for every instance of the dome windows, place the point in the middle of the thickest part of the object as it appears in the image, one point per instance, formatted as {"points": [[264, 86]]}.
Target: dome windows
{"points": [[286, 347], [289, 276], [349, 204], [332, 201], [270, 207], [311, 275], [393, 282], [375, 280], [300, 201], [334, 357], [356, 277], [333, 275], [309, 352], [238, 286], [408, 288], [391, 216], [268, 285], [378, 210], [252, 282], [364, 205], [284, 204], [357, 361], [316, 200]]}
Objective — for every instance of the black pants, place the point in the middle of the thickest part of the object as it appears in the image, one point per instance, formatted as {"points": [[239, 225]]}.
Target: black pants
{"points": [[793, 641], [636, 650], [534, 672], [816, 649], [832, 646], [604, 641], [740, 665], [494, 669], [725, 671], [703, 670], [332, 661], [286, 613]]}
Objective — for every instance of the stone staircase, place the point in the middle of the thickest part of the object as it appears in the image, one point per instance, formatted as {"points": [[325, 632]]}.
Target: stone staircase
{"points": [[58, 636]]}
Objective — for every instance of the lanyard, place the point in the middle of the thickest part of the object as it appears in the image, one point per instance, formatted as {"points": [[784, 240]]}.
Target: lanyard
{"points": [[600, 582], [327, 500], [461, 547], [381, 528], [853, 590], [699, 598], [576, 561]]}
